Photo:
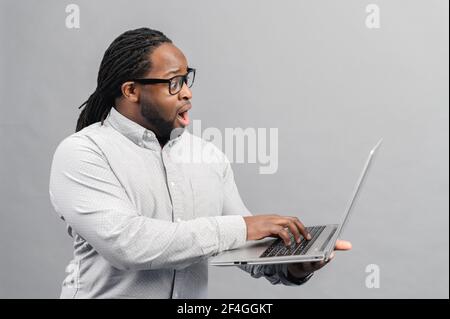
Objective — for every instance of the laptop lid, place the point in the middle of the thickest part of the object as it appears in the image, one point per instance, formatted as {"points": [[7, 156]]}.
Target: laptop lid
{"points": [[351, 203]]}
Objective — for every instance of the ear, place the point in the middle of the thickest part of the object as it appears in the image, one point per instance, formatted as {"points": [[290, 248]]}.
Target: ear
{"points": [[130, 91]]}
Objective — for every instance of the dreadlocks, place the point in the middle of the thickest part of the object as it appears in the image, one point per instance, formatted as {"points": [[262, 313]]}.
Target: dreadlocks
{"points": [[127, 57]]}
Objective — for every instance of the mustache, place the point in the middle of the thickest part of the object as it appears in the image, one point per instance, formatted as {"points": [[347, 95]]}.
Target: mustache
{"points": [[187, 103], [186, 106]]}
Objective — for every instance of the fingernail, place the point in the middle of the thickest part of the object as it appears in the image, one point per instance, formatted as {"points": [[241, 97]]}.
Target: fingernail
{"points": [[309, 237]]}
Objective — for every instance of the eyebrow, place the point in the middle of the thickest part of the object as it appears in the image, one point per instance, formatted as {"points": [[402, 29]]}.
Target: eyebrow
{"points": [[175, 71]]}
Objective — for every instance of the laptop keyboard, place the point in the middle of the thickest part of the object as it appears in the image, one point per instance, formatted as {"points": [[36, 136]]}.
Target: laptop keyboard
{"points": [[278, 248]]}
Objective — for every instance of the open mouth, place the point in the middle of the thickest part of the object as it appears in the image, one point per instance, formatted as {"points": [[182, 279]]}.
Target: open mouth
{"points": [[183, 118]]}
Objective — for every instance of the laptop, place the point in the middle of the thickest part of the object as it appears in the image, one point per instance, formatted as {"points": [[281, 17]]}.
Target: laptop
{"points": [[274, 251]]}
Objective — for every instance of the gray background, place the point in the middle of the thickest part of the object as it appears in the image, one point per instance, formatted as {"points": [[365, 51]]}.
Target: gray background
{"points": [[311, 69]]}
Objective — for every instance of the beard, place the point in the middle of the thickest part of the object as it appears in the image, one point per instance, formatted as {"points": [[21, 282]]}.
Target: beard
{"points": [[162, 127]]}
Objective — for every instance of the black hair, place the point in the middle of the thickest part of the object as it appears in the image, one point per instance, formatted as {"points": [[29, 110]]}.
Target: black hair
{"points": [[127, 57]]}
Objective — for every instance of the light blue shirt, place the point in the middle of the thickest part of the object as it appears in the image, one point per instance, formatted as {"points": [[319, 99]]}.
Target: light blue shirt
{"points": [[145, 218]]}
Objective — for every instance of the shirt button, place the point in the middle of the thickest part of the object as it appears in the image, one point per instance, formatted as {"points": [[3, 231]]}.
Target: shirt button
{"points": [[172, 183], [178, 220]]}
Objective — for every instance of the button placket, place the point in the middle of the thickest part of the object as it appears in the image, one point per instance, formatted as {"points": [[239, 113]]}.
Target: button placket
{"points": [[176, 194]]}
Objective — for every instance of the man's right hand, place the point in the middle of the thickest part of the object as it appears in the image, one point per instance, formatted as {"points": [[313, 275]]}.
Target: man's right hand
{"points": [[259, 227]]}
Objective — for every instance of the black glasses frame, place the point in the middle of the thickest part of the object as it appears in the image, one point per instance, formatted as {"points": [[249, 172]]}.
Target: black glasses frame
{"points": [[181, 78]]}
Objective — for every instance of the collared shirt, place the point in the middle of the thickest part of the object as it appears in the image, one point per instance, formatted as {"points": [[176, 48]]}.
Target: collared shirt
{"points": [[145, 218]]}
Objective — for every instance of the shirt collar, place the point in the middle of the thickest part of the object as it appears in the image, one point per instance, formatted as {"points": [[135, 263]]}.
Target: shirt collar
{"points": [[137, 133]]}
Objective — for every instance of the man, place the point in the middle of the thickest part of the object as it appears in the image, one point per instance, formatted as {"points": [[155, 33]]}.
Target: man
{"points": [[143, 220]]}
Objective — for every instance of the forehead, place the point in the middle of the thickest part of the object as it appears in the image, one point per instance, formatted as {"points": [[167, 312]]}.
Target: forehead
{"points": [[167, 59]]}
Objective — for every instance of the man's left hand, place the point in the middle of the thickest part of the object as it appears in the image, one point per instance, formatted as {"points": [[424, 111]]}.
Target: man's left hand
{"points": [[301, 270]]}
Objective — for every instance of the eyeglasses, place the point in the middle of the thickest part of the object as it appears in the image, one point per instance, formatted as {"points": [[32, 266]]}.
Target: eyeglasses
{"points": [[175, 83]]}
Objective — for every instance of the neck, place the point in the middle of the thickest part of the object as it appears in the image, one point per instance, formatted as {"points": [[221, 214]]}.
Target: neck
{"points": [[127, 112]]}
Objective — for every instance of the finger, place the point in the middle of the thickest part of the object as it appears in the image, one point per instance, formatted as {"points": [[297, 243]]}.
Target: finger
{"points": [[302, 228], [283, 234], [283, 222], [343, 245], [294, 230], [298, 226]]}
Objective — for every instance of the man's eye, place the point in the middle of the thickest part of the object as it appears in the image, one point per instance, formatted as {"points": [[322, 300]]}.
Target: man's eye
{"points": [[174, 84]]}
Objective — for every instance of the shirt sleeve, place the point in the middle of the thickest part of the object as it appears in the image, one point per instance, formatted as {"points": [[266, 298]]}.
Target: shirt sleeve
{"points": [[86, 193], [233, 204]]}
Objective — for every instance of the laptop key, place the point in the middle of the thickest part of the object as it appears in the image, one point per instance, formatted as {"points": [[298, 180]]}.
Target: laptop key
{"points": [[311, 242], [278, 248]]}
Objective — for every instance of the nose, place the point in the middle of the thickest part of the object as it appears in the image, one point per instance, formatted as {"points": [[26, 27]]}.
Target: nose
{"points": [[185, 93]]}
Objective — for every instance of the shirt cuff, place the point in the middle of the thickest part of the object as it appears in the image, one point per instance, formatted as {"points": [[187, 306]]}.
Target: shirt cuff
{"points": [[232, 232]]}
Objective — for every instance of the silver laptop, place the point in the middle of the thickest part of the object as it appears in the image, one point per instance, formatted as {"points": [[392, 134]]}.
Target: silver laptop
{"points": [[274, 251]]}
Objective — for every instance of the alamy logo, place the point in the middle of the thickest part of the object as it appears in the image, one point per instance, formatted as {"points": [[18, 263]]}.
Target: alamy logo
{"points": [[73, 17], [373, 17], [239, 145], [373, 277]]}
